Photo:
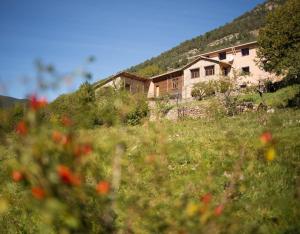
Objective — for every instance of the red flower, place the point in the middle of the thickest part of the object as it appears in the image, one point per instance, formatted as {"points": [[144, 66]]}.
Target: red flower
{"points": [[66, 121], [206, 198], [103, 187], [57, 136], [266, 137], [60, 138], [37, 103], [66, 139], [83, 149], [38, 193], [17, 176], [22, 128], [219, 210], [67, 176]]}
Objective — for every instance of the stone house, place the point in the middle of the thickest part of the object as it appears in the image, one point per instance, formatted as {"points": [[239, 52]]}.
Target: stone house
{"points": [[236, 62]]}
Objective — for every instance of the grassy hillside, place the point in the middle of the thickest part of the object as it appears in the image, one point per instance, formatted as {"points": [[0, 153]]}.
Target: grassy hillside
{"points": [[6, 102], [195, 176], [240, 30]]}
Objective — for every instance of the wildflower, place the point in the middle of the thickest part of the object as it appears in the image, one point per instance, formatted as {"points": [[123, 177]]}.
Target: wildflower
{"points": [[270, 154], [67, 176], [17, 176], [22, 128], [57, 136], [206, 198], [218, 210], [66, 139], [66, 121], [191, 209], [60, 138], [38, 193], [83, 149], [37, 103], [266, 137], [103, 187]]}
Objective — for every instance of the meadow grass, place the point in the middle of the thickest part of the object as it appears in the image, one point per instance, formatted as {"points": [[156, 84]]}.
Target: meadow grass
{"points": [[199, 156], [167, 166]]}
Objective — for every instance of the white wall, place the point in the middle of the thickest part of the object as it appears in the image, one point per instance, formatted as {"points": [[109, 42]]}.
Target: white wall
{"points": [[189, 82], [240, 61]]}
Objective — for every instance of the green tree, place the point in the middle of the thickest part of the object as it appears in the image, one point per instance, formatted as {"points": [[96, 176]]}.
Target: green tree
{"points": [[279, 41], [150, 70]]}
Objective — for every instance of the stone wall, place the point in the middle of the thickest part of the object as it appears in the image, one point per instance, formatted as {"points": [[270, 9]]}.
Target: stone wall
{"points": [[198, 112]]}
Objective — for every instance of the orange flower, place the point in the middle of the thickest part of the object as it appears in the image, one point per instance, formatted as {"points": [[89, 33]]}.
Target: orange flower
{"points": [[67, 176], [57, 136], [17, 176], [66, 121], [219, 210], [206, 198], [103, 187], [38, 193], [266, 137], [60, 138], [66, 139], [22, 128], [37, 103], [83, 149]]}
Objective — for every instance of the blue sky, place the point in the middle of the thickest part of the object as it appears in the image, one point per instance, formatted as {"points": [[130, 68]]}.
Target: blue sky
{"points": [[118, 33]]}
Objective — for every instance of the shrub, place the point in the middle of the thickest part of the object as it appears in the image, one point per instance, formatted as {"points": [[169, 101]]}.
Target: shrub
{"points": [[106, 107], [203, 89], [223, 85], [288, 96], [120, 107], [55, 179], [163, 105], [140, 111]]}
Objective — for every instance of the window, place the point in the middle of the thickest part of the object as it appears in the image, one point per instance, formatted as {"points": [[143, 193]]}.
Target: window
{"points": [[175, 83], [195, 73], [222, 55], [246, 70], [127, 87], [225, 71], [245, 51], [209, 70]]}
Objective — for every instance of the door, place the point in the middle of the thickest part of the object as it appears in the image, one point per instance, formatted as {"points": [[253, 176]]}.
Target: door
{"points": [[157, 91]]}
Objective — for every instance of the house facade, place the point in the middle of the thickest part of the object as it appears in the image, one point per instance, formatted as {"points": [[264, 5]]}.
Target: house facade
{"points": [[238, 62], [130, 82]]}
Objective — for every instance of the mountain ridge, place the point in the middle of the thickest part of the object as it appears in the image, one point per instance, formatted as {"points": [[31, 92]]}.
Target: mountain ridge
{"points": [[7, 102]]}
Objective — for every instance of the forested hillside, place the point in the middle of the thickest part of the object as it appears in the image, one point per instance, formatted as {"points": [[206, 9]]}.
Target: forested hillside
{"points": [[240, 30]]}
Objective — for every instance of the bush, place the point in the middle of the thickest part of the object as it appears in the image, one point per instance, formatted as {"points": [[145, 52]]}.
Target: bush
{"points": [[163, 105], [10, 116], [120, 107], [54, 180], [285, 97], [140, 111], [223, 85], [106, 107], [203, 89]]}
